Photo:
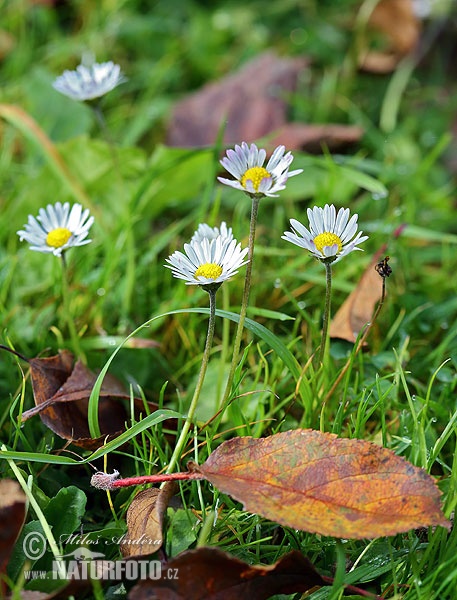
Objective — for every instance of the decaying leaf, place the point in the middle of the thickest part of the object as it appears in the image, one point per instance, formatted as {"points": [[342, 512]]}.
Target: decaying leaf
{"points": [[210, 573], [396, 21], [251, 112], [320, 483], [311, 138], [12, 516], [248, 111], [62, 392], [358, 308], [145, 521]]}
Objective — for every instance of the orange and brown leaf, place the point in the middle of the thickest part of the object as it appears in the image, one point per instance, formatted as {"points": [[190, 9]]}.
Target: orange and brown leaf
{"points": [[400, 30], [210, 573], [145, 521], [323, 484]]}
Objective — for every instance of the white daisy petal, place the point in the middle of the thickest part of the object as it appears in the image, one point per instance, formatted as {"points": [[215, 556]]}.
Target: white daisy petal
{"points": [[87, 83], [350, 229], [277, 157], [246, 162], [205, 231], [57, 228], [341, 221], [330, 235], [208, 260]]}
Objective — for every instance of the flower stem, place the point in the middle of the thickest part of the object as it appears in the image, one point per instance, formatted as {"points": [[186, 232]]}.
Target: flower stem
{"points": [[75, 342], [328, 301], [244, 300], [205, 360]]}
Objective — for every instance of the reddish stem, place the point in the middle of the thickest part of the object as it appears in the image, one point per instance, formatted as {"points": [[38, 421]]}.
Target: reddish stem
{"points": [[109, 481], [140, 480], [353, 590]]}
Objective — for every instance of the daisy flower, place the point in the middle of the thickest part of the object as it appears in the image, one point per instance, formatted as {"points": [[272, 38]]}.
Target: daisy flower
{"points": [[245, 163], [87, 83], [207, 262], [205, 231], [57, 228], [330, 235]]}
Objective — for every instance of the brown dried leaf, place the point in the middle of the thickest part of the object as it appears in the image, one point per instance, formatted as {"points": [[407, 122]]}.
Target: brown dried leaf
{"points": [[397, 22], [7, 43], [145, 521], [311, 138], [210, 573], [320, 483], [12, 516], [62, 393], [248, 111], [357, 310]]}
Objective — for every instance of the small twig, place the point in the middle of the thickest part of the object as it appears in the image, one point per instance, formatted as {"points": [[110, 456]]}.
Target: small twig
{"points": [[8, 349], [353, 589], [384, 271]]}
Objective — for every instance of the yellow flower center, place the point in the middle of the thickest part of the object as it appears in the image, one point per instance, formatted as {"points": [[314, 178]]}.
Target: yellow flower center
{"points": [[58, 237], [255, 174], [327, 239], [209, 270]]}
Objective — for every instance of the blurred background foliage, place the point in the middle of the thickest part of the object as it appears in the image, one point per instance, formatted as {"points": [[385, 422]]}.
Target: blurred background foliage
{"points": [[156, 195]]}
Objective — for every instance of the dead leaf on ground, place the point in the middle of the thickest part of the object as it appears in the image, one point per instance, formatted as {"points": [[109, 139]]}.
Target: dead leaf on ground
{"points": [[252, 112], [317, 482], [62, 392], [248, 111], [145, 521], [312, 138], [12, 516], [210, 573], [396, 21], [7, 43], [358, 308]]}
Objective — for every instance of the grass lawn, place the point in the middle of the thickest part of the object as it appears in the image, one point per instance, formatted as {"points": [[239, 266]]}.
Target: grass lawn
{"points": [[180, 375]]}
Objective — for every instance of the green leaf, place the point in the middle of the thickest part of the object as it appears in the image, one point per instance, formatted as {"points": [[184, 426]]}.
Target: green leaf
{"points": [[181, 533], [265, 334], [71, 502], [36, 543], [363, 181], [153, 419]]}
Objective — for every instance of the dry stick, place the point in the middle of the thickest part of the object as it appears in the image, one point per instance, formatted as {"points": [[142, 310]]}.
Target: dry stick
{"points": [[18, 354], [353, 589], [383, 273]]}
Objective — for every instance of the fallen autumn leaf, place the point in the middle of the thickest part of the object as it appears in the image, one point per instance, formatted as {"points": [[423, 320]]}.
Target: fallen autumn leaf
{"points": [[317, 482]]}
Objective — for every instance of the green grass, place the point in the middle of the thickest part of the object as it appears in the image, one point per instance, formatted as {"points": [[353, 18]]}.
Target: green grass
{"points": [[148, 199]]}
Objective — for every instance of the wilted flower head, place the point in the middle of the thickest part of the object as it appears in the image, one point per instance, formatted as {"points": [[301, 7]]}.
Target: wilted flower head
{"points": [[87, 83], [245, 163], [57, 228], [207, 262], [330, 236], [205, 231]]}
